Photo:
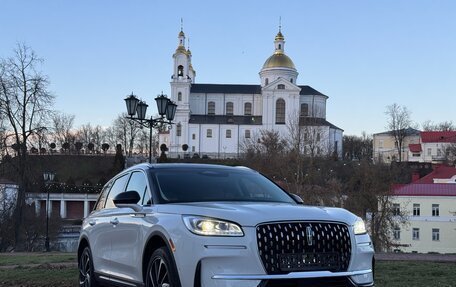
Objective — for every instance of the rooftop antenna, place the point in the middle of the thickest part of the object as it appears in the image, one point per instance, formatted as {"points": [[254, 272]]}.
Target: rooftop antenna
{"points": [[182, 24], [280, 23]]}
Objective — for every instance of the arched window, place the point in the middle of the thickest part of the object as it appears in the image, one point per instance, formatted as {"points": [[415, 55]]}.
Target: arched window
{"points": [[248, 109], [228, 134], [291, 80], [281, 87], [266, 82], [211, 108], [280, 111], [229, 108], [179, 96], [280, 46], [304, 110], [180, 71], [178, 129]]}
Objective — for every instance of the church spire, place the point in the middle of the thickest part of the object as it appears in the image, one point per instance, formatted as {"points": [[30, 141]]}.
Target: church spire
{"points": [[279, 41], [181, 36]]}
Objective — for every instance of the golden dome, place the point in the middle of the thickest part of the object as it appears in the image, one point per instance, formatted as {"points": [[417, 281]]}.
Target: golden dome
{"points": [[181, 49], [279, 36], [279, 60]]}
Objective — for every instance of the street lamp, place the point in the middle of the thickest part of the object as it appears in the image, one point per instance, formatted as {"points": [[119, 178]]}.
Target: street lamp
{"points": [[166, 111], [48, 179]]}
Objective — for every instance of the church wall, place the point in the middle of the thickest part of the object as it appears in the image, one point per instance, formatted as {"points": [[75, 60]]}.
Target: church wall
{"points": [[198, 103], [318, 103], [218, 145]]}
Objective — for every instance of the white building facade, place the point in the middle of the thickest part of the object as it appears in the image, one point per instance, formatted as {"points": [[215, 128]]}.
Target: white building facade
{"points": [[433, 147], [216, 119], [431, 218]]}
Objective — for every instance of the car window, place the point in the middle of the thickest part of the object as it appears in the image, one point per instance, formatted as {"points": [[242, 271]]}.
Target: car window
{"points": [[138, 183], [117, 187], [102, 198], [194, 185]]}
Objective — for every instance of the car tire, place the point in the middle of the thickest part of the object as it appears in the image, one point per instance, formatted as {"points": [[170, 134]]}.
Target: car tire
{"points": [[161, 271], [85, 268]]}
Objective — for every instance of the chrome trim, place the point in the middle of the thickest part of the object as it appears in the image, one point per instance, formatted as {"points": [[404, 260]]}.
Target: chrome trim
{"points": [[364, 244], [122, 282], [225, 246], [292, 275]]}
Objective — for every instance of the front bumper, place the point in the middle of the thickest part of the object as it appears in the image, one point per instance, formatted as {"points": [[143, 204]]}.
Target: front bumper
{"points": [[353, 278], [235, 262]]}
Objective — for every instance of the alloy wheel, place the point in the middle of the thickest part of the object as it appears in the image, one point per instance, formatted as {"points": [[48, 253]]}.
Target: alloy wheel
{"points": [[85, 269], [158, 273]]}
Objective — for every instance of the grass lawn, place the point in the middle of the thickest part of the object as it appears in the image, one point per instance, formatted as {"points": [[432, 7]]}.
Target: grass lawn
{"points": [[414, 273], [387, 273], [7, 259]]}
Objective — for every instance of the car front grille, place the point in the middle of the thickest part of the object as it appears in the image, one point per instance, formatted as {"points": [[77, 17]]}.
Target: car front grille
{"points": [[304, 246]]}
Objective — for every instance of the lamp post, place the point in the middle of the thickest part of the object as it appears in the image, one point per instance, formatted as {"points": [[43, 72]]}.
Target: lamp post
{"points": [[136, 110], [48, 178]]}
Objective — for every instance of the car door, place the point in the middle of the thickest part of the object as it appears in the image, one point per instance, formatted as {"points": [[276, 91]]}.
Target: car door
{"points": [[127, 244], [97, 226], [105, 224]]}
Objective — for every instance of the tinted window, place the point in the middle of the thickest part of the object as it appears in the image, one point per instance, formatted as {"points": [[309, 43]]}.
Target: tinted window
{"points": [[103, 194], [138, 183], [217, 185], [118, 187]]}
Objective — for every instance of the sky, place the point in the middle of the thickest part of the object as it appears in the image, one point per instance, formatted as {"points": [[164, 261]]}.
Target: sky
{"points": [[364, 55]]}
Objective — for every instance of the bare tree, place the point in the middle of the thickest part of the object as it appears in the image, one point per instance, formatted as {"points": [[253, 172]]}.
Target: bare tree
{"points": [[97, 137], [358, 147], [142, 145], [397, 123], [61, 126], [84, 134], [3, 137], [371, 198], [25, 102], [442, 126], [126, 131], [110, 136], [451, 153], [316, 143]]}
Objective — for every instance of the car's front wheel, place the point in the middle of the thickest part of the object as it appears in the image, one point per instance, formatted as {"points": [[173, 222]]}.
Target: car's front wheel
{"points": [[85, 266], [161, 272]]}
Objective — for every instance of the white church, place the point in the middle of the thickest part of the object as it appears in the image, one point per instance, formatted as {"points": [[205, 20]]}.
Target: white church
{"points": [[215, 120]]}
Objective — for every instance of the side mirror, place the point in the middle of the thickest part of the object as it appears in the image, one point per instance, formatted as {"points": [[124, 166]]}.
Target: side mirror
{"points": [[297, 198], [128, 199]]}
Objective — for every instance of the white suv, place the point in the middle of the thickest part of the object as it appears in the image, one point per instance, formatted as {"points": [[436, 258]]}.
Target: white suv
{"points": [[191, 225]]}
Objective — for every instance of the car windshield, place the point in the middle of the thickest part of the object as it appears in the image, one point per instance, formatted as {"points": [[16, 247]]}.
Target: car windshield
{"points": [[198, 185]]}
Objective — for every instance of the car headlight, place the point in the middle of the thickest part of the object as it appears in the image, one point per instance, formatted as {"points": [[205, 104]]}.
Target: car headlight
{"points": [[211, 226], [359, 227]]}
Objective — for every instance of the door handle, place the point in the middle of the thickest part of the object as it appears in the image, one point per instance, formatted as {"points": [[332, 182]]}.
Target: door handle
{"points": [[115, 221], [92, 222]]}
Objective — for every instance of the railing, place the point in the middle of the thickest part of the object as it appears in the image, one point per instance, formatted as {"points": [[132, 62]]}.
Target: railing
{"points": [[59, 187]]}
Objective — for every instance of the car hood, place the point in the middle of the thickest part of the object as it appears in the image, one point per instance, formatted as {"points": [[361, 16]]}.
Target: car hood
{"points": [[251, 214]]}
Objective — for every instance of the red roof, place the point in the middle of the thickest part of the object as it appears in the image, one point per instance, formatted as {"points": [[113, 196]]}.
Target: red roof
{"points": [[423, 189], [441, 137], [440, 171], [415, 147]]}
